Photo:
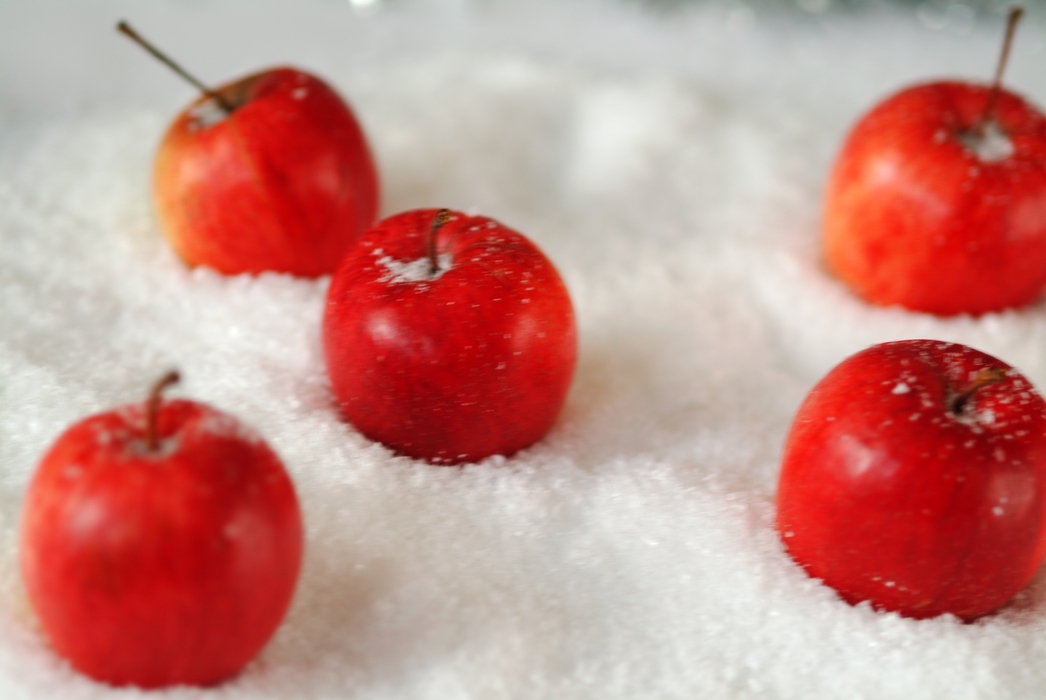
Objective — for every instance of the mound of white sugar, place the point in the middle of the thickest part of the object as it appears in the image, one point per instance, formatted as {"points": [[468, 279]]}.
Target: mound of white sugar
{"points": [[670, 161]]}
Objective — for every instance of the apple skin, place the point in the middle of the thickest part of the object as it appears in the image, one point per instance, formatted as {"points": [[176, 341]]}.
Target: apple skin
{"points": [[474, 362], [889, 497], [284, 183], [160, 568], [915, 217]]}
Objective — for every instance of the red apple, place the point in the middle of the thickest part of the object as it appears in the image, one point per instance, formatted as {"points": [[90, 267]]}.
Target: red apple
{"points": [[270, 172], [285, 182], [937, 201], [914, 477], [449, 337], [160, 544]]}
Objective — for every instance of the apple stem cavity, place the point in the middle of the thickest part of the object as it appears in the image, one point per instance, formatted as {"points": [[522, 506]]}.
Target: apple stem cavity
{"points": [[152, 408], [441, 217], [986, 377], [223, 103], [1016, 12]]}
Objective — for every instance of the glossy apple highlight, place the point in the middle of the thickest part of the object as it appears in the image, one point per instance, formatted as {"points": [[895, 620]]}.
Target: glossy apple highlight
{"points": [[160, 544], [449, 337], [914, 477]]}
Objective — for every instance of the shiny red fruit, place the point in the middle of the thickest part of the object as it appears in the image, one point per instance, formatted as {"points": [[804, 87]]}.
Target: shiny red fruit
{"points": [[285, 182], [455, 364], [923, 212], [914, 477], [164, 566]]}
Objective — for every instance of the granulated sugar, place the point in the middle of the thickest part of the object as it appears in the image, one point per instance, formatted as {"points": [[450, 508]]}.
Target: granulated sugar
{"points": [[670, 161]]}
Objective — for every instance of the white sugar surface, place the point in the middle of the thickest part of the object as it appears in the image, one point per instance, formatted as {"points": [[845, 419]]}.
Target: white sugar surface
{"points": [[670, 161]]}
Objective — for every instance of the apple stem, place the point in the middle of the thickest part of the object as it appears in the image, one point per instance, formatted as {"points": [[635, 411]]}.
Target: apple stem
{"points": [[125, 28], [1016, 12], [986, 377], [441, 217], [152, 408]]}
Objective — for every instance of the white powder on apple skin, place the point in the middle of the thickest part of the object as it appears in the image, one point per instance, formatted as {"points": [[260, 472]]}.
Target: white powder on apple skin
{"points": [[991, 146], [207, 113], [420, 270], [164, 447], [670, 162], [976, 420]]}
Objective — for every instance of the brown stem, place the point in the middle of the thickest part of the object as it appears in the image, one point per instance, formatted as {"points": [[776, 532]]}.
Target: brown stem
{"points": [[986, 377], [1016, 12], [441, 217], [125, 28], [152, 408]]}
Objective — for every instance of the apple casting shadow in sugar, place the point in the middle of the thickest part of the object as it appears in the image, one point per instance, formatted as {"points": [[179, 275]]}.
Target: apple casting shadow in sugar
{"points": [[160, 543], [914, 477], [449, 337], [269, 172]]}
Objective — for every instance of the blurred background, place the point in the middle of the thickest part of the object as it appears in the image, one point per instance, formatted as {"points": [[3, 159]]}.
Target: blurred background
{"points": [[44, 57]]}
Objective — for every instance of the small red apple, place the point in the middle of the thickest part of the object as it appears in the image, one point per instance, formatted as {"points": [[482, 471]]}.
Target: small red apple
{"points": [[449, 337], [937, 200], [270, 172], [160, 544], [914, 477]]}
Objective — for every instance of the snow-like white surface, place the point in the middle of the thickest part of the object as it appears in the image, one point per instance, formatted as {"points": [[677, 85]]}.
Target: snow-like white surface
{"points": [[670, 162]]}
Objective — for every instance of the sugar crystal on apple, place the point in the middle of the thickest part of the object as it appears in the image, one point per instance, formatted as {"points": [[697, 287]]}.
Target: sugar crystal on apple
{"points": [[207, 113], [991, 146], [419, 270]]}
